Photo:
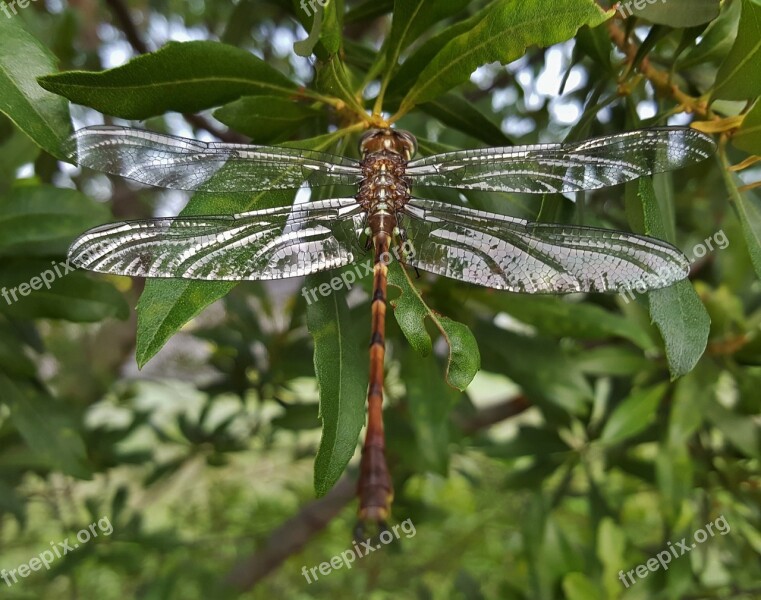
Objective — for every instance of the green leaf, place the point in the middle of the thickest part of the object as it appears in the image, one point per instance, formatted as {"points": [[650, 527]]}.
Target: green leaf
{"points": [[676, 311], [674, 13], [43, 116], [17, 150], [748, 137], [35, 289], [738, 76], [748, 210], [411, 312], [557, 316], [45, 427], [503, 35], [578, 586], [411, 19], [43, 220], [333, 79], [13, 359], [717, 39], [740, 430], [633, 415], [430, 401], [410, 70], [167, 304], [458, 113], [181, 76], [545, 372], [341, 367], [266, 119]]}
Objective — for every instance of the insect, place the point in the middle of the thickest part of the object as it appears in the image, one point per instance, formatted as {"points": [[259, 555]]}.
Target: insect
{"points": [[469, 245]]}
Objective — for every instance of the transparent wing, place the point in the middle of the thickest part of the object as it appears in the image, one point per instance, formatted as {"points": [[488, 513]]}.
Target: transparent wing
{"points": [[586, 165], [520, 256], [262, 244], [174, 162]]}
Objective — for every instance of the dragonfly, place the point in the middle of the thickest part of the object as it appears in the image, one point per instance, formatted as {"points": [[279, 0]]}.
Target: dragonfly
{"points": [[459, 242]]}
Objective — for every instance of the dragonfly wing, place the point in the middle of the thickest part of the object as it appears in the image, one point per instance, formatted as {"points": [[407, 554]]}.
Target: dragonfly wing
{"points": [[547, 168], [173, 162], [264, 244], [520, 256]]}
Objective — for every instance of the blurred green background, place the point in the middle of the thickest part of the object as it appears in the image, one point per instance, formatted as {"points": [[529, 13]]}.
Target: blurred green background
{"points": [[598, 429]]}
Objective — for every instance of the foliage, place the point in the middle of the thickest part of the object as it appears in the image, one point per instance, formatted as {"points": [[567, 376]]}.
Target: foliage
{"points": [[629, 422]]}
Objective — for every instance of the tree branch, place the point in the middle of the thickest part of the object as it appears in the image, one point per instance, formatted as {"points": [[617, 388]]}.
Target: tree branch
{"points": [[290, 537], [661, 80]]}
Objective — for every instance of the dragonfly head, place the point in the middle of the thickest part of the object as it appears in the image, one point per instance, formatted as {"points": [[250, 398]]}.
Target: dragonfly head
{"points": [[391, 140]]}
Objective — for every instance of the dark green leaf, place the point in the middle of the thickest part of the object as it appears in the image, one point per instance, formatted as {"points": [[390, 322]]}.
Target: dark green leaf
{"points": [[411, 19], [738, 77], [677, 310], [430, 402], [43, 116], [266, 119], [562, 318], [334, 79], [181, 76], [748, 209], [717, 39], [748, 137], [341, 366], [43, 220], [501, 36], [545, 372], [411, 312], [44, 289], [633, 415], [45, 427], [454, 111]]}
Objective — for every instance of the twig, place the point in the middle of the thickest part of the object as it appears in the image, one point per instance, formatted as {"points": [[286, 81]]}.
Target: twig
{"points": [[661, 80], [293, 534]]}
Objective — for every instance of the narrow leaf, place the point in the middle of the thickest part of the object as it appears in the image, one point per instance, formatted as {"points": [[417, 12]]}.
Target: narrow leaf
{"points": [[411, 312], [738, 76], [502, 36], [677, 310], [266, 119], [45, 427], [748, 137], [38, 289], [341, 367], [458, 113], [181, 76], [43, 116], [43, 220], [633, 415]]}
